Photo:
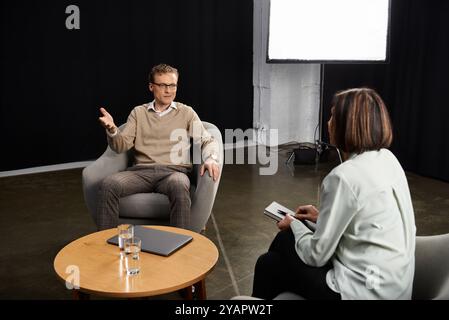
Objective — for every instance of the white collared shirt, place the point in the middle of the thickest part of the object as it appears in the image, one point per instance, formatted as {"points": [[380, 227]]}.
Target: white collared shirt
{"points": [[162, 113], [366, 228]]}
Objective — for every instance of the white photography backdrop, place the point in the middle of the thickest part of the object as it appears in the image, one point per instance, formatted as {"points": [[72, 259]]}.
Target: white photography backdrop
{"points": [[328, 30]]}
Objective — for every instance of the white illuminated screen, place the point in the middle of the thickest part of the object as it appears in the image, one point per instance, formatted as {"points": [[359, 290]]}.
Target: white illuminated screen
{"points": [[334, 30]]}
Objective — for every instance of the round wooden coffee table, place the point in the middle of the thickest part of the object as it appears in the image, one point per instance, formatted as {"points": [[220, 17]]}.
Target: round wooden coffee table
{"points": [[101, 271]]}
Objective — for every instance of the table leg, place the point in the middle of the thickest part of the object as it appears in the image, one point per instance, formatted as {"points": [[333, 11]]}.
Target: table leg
{"points": [[200, 289], [78, 295], [186, 293]]}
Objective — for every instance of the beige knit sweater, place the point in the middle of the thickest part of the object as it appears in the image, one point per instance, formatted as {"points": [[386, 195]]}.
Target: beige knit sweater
{"points": [[164, 140]]}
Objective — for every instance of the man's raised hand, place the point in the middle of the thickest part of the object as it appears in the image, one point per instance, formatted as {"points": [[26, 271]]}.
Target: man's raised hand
{"points": [[107, 121]]}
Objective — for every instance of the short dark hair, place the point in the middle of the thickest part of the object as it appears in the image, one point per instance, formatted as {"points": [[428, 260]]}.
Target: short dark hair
{"points": [[161, 68], [360, 121]]}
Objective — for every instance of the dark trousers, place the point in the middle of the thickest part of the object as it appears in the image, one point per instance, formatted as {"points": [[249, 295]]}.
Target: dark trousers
{"points": [[172, 181], [281, 269]]}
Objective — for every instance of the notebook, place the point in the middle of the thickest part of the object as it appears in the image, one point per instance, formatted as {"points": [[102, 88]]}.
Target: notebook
{"points": [[155, 241], [277, 212]]}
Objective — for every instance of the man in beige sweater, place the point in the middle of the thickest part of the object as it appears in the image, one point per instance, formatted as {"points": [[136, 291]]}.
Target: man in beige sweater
{"points": [[159, 133]]}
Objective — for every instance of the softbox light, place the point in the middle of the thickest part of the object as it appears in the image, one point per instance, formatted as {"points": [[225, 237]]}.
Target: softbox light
{"points": [[328, 31]]}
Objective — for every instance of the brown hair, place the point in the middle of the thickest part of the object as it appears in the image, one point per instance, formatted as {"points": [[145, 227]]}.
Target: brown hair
{"points": [[162, 68], [360, 121]]}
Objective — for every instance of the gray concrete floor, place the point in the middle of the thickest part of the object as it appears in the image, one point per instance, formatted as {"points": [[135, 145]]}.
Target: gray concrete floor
{"points": [[41, 213]]}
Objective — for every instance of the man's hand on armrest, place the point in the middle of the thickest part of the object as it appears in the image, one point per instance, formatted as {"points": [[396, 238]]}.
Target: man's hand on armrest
{"points": [[212, 167]]}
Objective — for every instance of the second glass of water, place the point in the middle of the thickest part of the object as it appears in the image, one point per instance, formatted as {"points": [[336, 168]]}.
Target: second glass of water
{"points": [[125, 231]]}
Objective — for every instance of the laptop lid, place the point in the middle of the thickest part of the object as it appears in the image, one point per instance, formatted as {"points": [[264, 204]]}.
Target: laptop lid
{"points": [[155, 241]]}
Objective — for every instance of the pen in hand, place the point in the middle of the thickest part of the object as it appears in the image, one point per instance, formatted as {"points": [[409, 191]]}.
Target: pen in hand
{"points": [[282, 212], [286, 213]]}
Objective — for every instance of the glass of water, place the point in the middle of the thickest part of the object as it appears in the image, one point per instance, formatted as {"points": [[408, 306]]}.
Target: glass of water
{"points": [[125, 231], [132, 255]]}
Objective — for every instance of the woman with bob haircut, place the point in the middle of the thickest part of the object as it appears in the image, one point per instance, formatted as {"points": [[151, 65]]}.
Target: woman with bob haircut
{"points": [[364, 243]]}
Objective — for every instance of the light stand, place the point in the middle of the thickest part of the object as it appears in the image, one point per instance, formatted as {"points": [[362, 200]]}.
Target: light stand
{"points": [[320, 146]]}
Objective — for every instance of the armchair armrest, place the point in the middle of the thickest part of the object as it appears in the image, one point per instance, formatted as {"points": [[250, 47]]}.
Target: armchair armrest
{"points": [[203, 200], [110, 162], [206, 188]]}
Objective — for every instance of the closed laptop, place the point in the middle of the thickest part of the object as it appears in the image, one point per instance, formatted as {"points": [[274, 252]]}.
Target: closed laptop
{"points": [[155, 241]]}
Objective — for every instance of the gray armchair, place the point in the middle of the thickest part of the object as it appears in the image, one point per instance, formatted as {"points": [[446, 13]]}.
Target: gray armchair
{"points": [[431, 281], [152, 208]]}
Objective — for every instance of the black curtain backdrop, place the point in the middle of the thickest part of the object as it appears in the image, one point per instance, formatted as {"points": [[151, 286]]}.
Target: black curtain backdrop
{"points": [[414, 85], [54, 79]]}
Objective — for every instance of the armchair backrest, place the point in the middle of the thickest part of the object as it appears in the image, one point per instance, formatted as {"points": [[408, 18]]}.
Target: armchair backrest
{"points": [[110, 162], [212, 129], [431, 279]]}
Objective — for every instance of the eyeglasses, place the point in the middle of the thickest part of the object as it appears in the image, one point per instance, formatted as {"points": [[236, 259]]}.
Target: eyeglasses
{"points": [[171, 87]]}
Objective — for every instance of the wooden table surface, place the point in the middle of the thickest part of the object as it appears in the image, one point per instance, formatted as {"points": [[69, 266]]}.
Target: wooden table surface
{"points": [[102, 272]]}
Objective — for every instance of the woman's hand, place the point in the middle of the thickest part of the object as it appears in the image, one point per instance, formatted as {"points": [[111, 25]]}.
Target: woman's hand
{"points": [[285, 223], [308, 212]]}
